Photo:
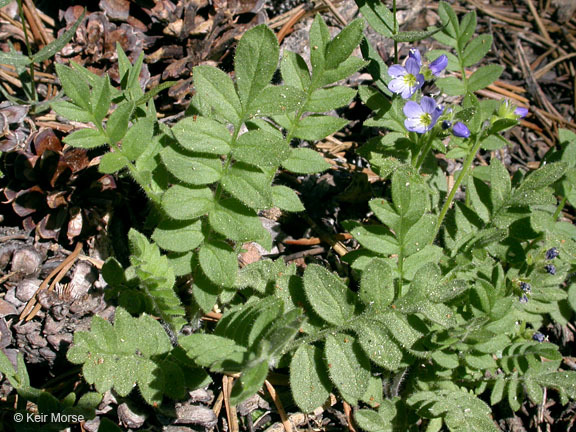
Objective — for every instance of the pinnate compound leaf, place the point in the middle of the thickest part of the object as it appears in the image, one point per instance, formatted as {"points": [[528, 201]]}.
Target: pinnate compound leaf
{"points": [[564, 381], [249, 185], [305, 161], [217, 90], [156, 279], [286, 199], [261, 149], [255, 62], [194, 169], [377, 284], [202, 135], [309, 381], [348, 367], [329, 297], [120, 356], [219, 263], [484, 76], [317, 127], [86, 138], [178, 236], [186, 203]]}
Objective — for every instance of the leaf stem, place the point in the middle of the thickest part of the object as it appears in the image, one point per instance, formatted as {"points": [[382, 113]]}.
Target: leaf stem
{"points": [[458, 182], [395, 30], [559, 209]]}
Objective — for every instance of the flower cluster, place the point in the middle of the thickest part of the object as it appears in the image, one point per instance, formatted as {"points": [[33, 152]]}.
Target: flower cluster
{"points": [[407, 80]]}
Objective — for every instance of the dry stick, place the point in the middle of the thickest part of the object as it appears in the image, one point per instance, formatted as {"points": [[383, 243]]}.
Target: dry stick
{"points": [[7, 276], [287, 28], [543, 70], [231, 413], [46, 37], [348, 414], [337, 14], [491, 12], [279, 406], [58, 273], [37, 35]]}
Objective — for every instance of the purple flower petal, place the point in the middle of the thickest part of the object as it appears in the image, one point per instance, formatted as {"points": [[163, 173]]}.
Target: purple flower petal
{"points": [[419, 81], [521, 112], [397, 85], [415, 54], [412, 66], [413, 109], [438, 65], [435, 115], [428, 104], [414, 124], [396, 71], [460, 130], [408, 92]]}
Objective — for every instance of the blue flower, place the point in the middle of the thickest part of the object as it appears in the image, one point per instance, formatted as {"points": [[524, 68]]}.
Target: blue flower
{"points": [[521, 112], [460, 130], [421, 117], [438, 65], [523, 298], [538, 337], [446, 124], [550, 269], [415, 54], [525, 287], [406, 80], [552, 253]]}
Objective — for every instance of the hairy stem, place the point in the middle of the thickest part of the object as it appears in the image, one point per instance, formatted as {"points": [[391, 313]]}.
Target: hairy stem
{"points": [[461, 177]]}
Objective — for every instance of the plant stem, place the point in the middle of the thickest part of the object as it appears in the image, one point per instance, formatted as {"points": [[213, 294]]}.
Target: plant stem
{"points": [[28, 48], [395, 30], [425, 150], [461, 176], [559, 209]]}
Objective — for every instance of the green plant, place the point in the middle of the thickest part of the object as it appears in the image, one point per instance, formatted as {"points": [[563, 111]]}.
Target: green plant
{"points": [[441, 313], [20, 61]]}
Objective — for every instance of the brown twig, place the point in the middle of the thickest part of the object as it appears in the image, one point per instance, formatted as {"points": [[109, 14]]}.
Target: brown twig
{"points": [[285, 422], [231, 414], [337, 14], [32, 307], [287, 27], [348, 414]]}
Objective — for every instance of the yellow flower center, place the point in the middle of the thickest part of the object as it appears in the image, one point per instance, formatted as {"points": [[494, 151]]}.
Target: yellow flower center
{"points": [[426, 119], [409, 80]]}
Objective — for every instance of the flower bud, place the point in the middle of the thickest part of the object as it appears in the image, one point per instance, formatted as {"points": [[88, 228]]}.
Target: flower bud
{"points": [[460, 130], [438, 65]]}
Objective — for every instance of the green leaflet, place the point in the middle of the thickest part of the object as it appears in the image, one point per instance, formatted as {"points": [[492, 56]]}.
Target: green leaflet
{"points": [[248, 184], [261, 149], [329, 297], [178, 236], [286, 199], [305, 161], [308, 379], [202, 135], [194, 169], [377, 284], [186, 203], [217, 90], [323, 100], [348, 367], [378, 345], [255, 62], [218, 262], [316, 127]]}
